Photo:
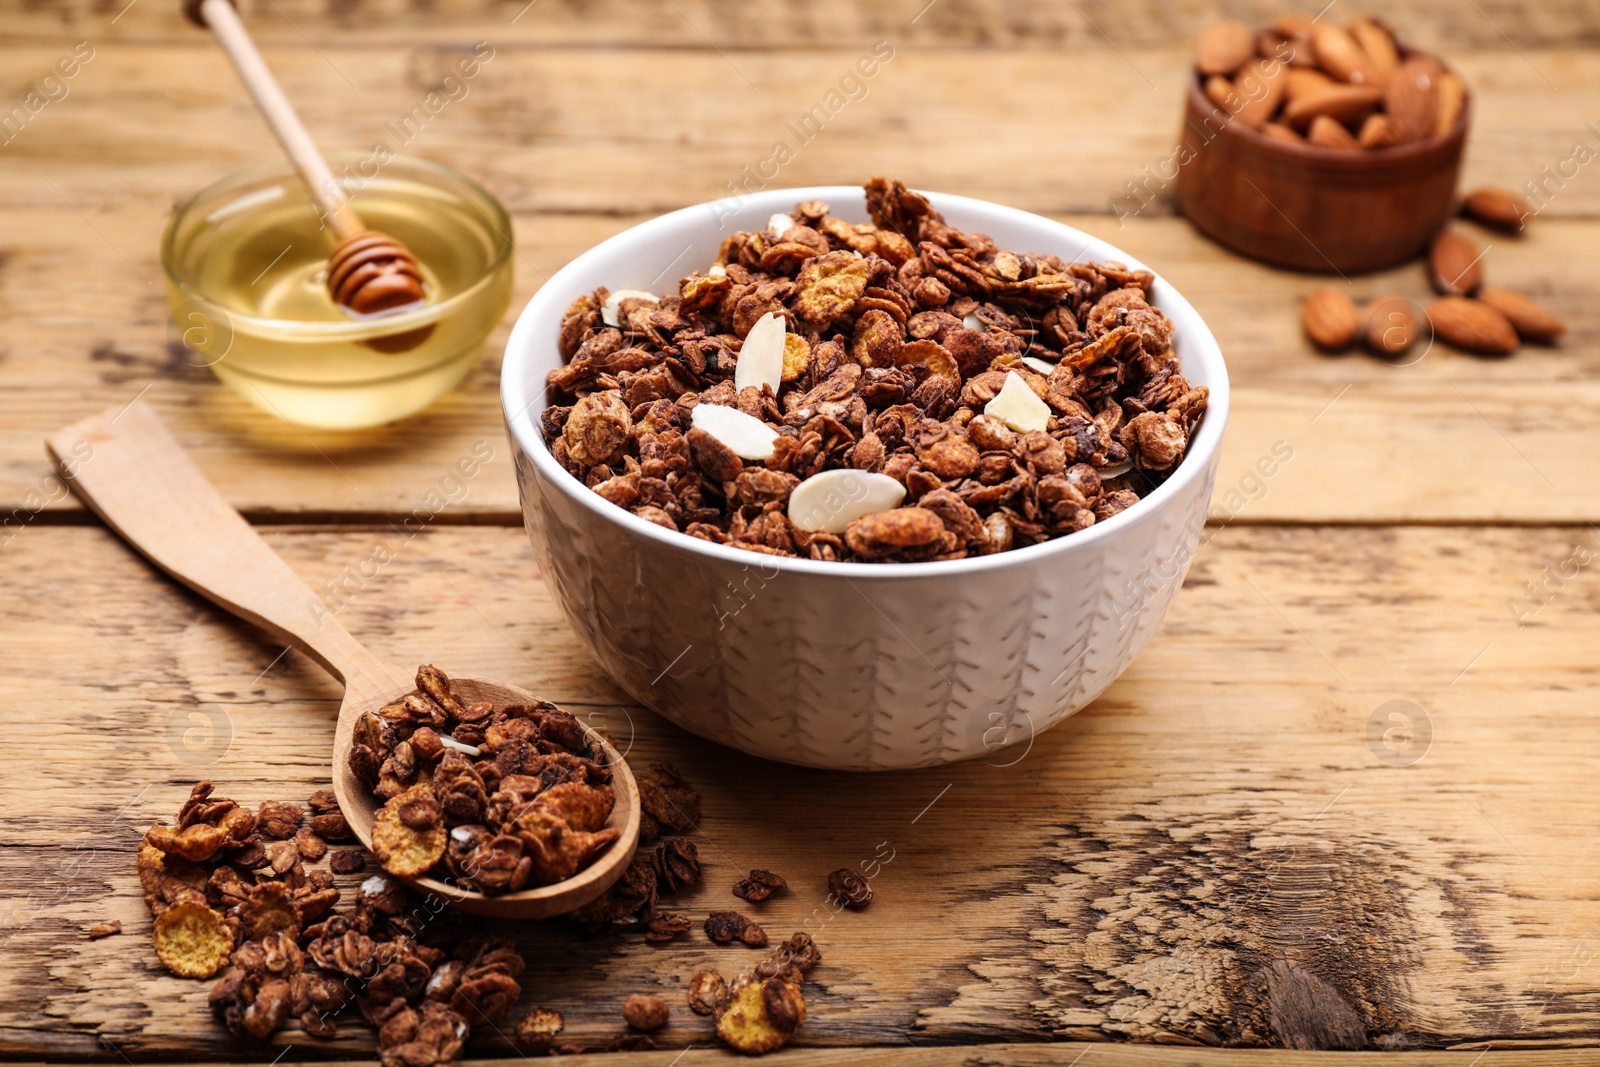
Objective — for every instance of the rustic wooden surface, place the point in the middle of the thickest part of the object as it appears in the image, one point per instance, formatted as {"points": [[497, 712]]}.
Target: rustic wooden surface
{"points": [[1221, 851]]}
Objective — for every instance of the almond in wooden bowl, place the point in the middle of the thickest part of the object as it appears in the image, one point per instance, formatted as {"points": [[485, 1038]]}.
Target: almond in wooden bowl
{"points": [[1336, 150]]}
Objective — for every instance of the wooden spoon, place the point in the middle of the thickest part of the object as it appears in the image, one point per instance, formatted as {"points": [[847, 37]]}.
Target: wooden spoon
{"points": [[369, 271], [141, 482]]}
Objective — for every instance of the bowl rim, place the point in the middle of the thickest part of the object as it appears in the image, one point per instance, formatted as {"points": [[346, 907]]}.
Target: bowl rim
{"points": [[351, 328], [1198, 344]]}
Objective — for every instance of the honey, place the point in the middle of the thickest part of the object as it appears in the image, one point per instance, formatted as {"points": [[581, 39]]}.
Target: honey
{"points": [[246, 264]]}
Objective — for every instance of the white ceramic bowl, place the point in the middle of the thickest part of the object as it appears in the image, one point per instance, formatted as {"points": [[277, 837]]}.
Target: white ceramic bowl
{"points": [[850, 665]]}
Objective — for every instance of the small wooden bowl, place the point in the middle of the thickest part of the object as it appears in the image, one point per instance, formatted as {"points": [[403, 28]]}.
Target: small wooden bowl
{"points": [[1312, 208]]}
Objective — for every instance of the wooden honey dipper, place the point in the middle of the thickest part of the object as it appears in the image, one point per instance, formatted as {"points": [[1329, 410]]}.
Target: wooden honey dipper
{"points": [[369, 271]]}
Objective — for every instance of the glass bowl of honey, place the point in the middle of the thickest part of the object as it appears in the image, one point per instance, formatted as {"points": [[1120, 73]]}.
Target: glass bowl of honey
{"points": [[246, 269]]}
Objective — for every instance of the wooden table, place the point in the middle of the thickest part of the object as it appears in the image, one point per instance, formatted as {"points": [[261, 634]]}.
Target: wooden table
{"points": [[1230, 848]]}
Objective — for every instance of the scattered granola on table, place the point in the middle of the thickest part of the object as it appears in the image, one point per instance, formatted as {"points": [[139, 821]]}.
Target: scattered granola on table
{"points": [[668, 805], [889, 391], [493, 800], [646, 1012], [225, 903], [726, 927], [850, 887], [764, 1006], [537, 1031], [759, 886], [264, 923]]}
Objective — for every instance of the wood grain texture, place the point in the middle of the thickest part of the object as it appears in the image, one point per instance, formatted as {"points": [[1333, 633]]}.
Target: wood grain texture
{"points": [[595, 129], [759, 24], [1219, 851], [1066, 1053]]}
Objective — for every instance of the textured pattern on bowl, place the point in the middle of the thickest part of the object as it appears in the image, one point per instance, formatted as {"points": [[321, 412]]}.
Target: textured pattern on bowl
{"points": [[848, 665]]}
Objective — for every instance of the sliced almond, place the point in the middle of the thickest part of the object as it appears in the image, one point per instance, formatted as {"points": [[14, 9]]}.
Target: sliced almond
{"points": [[1043, 366], [747, 436], [760, 359], [1018, 406], [779, 224], [613, 304], [1328, 133], [830, 501]]}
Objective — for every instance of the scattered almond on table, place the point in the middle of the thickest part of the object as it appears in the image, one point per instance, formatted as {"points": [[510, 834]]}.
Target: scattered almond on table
{"points": [[1330, 319], [1497, 209], [1472, 325], [1470, 314], [1456, 264], [1390, 326]]}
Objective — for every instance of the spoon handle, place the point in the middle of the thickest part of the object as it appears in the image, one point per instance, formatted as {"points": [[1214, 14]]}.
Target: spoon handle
{"points": [[128, 468], [285, 124]]}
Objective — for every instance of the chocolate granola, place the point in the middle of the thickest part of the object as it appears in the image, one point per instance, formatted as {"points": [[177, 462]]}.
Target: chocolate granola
{"points": [[493, 799], [889, 391]]}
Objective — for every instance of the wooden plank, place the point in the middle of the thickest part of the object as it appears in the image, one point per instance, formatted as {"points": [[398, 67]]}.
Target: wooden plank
{"points": [[1065, 1053], [1447, 437], [757, 24], [588, 129], [1223, 849]]}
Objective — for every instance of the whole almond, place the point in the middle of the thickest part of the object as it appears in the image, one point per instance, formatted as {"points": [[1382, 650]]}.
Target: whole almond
{"points": [[1330, 319], [1391, 325], [1378, 43], [1301, 55], [1295, 24], [1472, 325], [1455, 264], [1378, 132], [1341, 56], [1531, 319], [1299, 84], [1344, 103], [1219, 90], [1412, 97], [1277, 131], [1260, 86], [1223, 47], [1452, 99], [1270, 44], [1498, 209], [1327, 133]]}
